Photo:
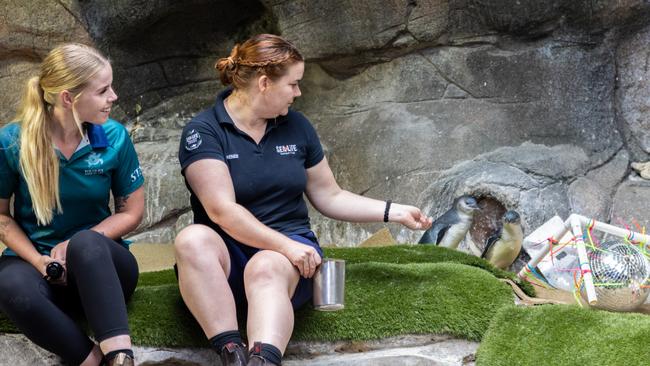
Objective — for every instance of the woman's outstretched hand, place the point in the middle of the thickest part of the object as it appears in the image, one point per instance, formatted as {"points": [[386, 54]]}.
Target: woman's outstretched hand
{"points": [[304, 257], [409, 216]]}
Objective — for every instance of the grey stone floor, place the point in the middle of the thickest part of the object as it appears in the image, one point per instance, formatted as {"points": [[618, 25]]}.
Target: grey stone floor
{"points": [[16, 350]]}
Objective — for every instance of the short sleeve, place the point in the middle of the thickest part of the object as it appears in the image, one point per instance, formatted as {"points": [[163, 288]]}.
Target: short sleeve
{"points": [[8, 175], [128, 175], [199, 141], [314, 148]]}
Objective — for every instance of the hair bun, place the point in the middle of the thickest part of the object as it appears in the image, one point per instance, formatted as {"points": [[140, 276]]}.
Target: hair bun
{"points": [[227, 66], [231, 61]]}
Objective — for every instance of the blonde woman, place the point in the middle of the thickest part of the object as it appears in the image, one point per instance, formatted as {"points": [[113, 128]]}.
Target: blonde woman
{"points": [[59, 161], [248, 161]]}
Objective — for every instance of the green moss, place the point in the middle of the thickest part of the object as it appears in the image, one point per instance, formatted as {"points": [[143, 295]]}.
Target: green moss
{"points": [[565, 335]]}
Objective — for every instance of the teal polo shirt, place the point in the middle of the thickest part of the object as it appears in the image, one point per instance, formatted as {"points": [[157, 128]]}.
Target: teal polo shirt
{"points": [[105, 161]]}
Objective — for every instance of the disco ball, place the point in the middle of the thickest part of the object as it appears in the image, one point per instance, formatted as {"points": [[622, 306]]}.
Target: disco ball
{"points": [[619, 271]]}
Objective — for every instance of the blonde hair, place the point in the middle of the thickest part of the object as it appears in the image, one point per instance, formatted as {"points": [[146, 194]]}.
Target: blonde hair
{"points": [[67, 67]]}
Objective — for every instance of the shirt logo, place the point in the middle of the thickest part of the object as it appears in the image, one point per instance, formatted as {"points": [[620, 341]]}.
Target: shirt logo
{"points": [[192, 140], [286, 149], [137, 173], [95, 162], [232, 156], [94, 159]]}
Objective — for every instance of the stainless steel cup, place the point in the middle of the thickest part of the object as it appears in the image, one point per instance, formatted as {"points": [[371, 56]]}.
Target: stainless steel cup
{"points": [[329, 285]]}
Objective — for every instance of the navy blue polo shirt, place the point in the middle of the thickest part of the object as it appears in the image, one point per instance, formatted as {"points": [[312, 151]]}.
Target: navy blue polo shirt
{"points": [[104, 161], [269, 178]]}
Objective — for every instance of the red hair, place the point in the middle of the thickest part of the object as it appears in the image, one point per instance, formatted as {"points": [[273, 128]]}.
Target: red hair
{"points": [[264, 54]]}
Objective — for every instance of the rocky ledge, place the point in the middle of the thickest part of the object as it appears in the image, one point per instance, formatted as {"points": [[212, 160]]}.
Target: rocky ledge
{"points": [[17, 350]]}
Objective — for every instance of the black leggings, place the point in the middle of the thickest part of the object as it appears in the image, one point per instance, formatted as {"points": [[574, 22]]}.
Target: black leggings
{"points": [[101, 274]]}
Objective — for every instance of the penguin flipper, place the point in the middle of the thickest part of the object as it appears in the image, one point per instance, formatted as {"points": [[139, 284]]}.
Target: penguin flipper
{"points": [[441, 234], [434, 235], [490, 242], [426, 238]]}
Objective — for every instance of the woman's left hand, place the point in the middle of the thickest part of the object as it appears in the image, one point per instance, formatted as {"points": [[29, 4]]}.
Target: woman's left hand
{"points": [[409, 216], [58, 252]]}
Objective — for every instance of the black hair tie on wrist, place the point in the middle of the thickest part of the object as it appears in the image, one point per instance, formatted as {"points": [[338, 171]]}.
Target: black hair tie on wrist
{"points": [[387, 210]]}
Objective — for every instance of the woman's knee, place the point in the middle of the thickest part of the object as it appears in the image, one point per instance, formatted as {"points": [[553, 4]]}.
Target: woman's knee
{"points": [[199, 244], [270, 267], [86, 245]]}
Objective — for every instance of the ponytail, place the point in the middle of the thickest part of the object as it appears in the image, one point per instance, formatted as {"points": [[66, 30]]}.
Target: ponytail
{"points": [[67, 67], [38, 161]]}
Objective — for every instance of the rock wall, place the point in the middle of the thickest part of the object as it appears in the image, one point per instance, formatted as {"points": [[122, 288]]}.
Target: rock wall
{"points": [[539, 104]]}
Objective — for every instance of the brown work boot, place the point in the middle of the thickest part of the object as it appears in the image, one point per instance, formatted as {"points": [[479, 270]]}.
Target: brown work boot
{"points": [[121, 359], [256, 360], [233, 354]]}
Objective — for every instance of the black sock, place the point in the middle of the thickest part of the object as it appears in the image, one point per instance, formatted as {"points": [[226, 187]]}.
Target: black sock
{"points": [[221, 339], [111, 355], [268, 352]]}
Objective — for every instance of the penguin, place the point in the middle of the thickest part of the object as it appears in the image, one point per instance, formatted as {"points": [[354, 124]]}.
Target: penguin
{"points": [[502, 248], [449, 229]]}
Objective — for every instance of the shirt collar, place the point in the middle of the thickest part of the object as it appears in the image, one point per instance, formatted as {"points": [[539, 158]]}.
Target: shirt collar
{"points": [[96, 135], [84, 141], [224, 118], [220, 107]]}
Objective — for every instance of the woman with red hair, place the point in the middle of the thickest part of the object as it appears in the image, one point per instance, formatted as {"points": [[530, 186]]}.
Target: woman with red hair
{"points": [[247, 162]]}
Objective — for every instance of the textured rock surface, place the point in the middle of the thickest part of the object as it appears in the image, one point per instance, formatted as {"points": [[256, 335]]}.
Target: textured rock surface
{"points": [[630, 204], [28, 30], [634, 91], [410, 117], [406, 350]]}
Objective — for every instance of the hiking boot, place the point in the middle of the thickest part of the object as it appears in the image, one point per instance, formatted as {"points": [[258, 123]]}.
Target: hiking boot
{"points": [[233, 354], [121, 359], [256, 360]]}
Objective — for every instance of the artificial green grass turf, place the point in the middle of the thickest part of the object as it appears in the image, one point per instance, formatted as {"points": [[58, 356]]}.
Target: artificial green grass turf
{"points": [[402, 254], [164, 277], [158, 317], [381, 300], [384, 300], [6, 326], [398, 254], [562, 335], [399, 306]]}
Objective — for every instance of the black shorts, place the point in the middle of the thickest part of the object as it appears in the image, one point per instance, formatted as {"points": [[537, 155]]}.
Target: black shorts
{"points": [[240, 254]]}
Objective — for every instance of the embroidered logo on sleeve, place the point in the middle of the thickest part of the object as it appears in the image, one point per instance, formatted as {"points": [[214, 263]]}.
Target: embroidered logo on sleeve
{"points": [[192, 140]]}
